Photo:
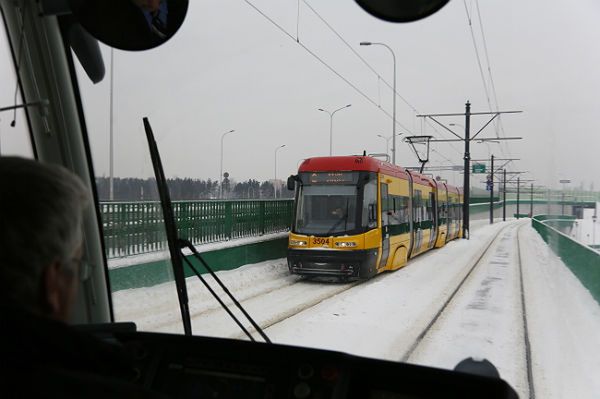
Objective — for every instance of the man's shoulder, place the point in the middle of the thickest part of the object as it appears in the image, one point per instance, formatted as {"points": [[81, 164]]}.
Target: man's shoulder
{"points": [[43, 356]]}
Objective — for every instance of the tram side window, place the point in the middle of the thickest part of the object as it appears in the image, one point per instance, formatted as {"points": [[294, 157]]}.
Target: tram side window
{"points": [[385, 204], [417, 206], [429, 207], [369, 211], [400, 211], [442, 212]]}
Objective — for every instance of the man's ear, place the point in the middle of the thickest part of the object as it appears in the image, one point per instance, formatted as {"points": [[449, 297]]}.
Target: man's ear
{"points": [[52, 290]]}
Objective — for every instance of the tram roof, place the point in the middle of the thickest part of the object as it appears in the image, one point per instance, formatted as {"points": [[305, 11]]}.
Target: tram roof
{"points": [[351, 163], [365, 163]]}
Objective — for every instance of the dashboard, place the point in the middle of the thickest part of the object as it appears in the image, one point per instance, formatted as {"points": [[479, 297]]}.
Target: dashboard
{"points": [[202, 367]]}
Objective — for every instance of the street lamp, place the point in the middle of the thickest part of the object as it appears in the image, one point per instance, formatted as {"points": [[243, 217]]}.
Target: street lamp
{"points": [[387, 141], [331, 125], [221, 172], [275, 181], [394, 95]]}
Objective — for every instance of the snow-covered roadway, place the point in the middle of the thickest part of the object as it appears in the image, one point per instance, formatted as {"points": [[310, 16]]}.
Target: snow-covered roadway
{"points": [[484, 316], [386, 315]]}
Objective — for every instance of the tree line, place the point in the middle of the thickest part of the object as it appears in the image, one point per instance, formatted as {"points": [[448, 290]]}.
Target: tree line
{"points": [[187, 189]]}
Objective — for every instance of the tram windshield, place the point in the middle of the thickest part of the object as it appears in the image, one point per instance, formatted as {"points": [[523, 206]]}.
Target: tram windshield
{"points": [[334, 209], [326, 210]]}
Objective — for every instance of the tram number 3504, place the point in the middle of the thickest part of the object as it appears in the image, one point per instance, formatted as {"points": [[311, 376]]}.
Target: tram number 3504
{"points": [[320, 241]]}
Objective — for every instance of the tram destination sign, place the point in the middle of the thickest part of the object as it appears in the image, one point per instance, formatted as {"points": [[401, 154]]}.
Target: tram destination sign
{"points": [[332, 178]]}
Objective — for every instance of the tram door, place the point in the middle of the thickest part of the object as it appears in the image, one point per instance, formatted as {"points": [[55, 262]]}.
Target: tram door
{"points": [[385, 226], [433, 214]]}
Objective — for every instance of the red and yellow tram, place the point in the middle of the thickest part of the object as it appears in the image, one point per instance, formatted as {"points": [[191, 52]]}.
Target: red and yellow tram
{"points": [[356, 216]]}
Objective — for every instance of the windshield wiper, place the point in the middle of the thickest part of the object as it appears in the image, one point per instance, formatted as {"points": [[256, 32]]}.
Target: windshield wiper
{"points": [[176, 246]]}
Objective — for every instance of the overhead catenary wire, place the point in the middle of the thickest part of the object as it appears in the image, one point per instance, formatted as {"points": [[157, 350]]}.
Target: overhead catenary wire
{"points": [[379, 78], [492, 108], [492, 84], [357, 53], [483, 81], [332, 69], [338, 74]]}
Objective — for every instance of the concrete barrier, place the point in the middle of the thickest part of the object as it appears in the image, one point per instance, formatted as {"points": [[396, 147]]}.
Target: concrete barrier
{"points": [[150, 273], [583, 261]]}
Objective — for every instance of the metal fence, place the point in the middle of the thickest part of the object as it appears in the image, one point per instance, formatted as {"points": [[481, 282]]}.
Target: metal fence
{"points": [[132, 228]]}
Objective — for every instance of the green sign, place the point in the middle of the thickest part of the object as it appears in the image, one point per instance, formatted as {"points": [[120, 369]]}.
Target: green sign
{"points": [[478, 168]]}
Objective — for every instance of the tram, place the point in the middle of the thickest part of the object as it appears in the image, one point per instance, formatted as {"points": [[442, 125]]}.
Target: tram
{"points": [[357, 216]]}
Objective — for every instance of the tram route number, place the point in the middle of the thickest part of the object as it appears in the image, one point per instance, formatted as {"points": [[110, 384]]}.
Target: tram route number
{"points": [[320, 241]]}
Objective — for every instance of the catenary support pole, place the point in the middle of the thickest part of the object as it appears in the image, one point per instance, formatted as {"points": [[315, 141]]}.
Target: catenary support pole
{"points": [[466, 184], [492, 192], [504, 196], [531, 202], [518, 194]]}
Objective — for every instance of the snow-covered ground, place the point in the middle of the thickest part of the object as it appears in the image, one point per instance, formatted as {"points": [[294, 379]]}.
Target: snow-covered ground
{"points": [[383, 317], [564, 325]]}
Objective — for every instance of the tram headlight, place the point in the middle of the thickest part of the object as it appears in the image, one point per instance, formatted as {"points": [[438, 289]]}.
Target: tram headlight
{"points": [[345, 244], [298, 243]]}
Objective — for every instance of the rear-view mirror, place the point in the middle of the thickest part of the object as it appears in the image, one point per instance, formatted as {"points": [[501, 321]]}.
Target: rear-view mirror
{"points": [[130, 24], [291, 183], [401, 10]]}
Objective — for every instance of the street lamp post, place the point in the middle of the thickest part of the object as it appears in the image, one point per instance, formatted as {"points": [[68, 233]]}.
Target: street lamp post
{"points": [[111, 148], [221, 170], [594, 218], [275, 181], [331, 125], [394, 94], [387, 141]]}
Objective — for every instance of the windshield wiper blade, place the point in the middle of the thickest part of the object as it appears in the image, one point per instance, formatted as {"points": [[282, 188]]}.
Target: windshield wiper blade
{"points": [[176, 256], [190, 246], [170, 228]]}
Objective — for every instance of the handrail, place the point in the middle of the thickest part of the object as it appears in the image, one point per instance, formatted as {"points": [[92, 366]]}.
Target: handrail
{"points": [[132, 228]]}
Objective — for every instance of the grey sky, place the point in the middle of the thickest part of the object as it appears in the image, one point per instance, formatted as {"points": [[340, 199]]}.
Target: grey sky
{"points": [[229, 68]]}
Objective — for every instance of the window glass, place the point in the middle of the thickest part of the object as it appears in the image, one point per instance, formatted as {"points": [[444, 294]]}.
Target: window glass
{"points": [[229, 108], [14, 130], [385, 204], [326, 209], [139, 267], [370, 204]]}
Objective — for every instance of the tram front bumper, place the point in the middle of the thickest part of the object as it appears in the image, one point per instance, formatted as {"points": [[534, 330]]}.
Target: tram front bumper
{"points": [[313, 262]]}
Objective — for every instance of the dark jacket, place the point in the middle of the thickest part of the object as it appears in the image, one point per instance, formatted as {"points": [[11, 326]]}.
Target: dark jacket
{"points": [[45, 358]]}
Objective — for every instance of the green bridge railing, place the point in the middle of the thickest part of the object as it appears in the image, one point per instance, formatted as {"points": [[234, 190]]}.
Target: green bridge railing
{"points": [[583, 261], [132, 228]]}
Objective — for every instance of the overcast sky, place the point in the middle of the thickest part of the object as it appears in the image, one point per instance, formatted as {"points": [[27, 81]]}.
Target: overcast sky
{"points": [[230, 68]]}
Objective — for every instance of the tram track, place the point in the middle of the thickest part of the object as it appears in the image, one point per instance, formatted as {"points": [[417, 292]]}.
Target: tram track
{"points": [[446, 311], [316, 301], [281, 317], [313, 302], [421, 336], [528, 357]]}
